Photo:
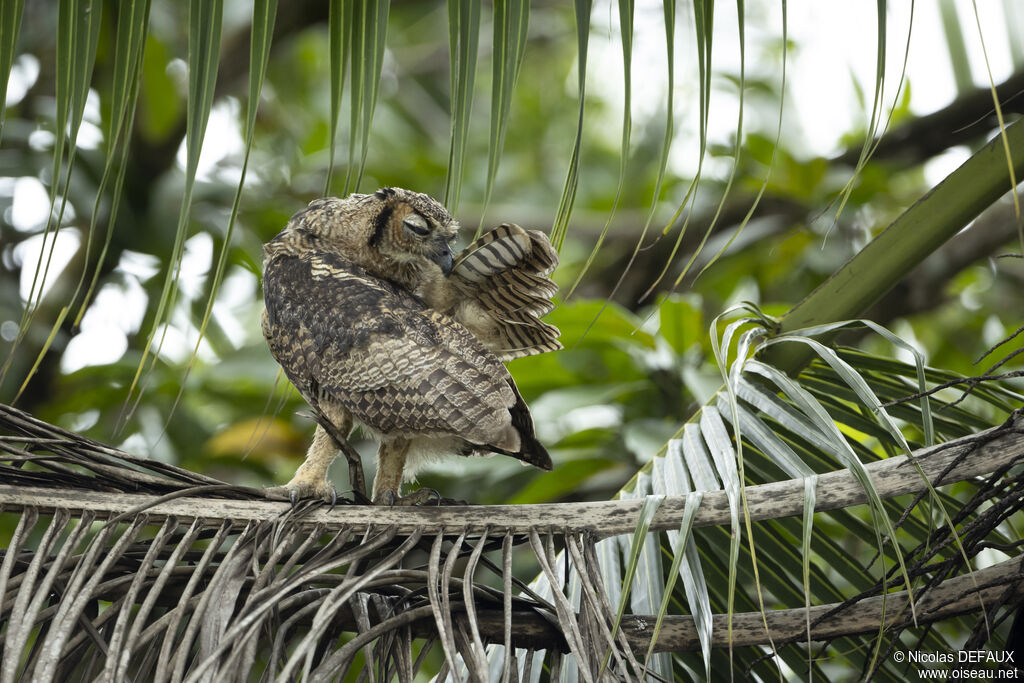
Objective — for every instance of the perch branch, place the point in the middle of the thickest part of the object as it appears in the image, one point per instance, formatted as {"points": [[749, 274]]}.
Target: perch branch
{"points": [[981, 454]]}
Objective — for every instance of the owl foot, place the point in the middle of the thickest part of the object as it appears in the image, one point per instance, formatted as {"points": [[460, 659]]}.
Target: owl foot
{"points": [[417, 497], [300, 489]]}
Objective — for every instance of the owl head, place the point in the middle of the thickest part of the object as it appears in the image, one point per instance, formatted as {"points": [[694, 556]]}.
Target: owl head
{"points": [[411, 226], [395, 233]]}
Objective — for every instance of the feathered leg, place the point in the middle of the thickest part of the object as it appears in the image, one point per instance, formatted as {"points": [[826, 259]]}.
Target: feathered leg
{"points": [[387, 485], [310, 480]]}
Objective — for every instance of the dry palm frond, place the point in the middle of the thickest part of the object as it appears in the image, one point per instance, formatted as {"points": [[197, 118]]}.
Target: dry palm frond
{"points": [[116, 569], [123, 592]]}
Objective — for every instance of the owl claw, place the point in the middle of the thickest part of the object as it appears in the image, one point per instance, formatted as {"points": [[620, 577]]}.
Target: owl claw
{"points": [[386, 498], [417, 497], [298, 491]]}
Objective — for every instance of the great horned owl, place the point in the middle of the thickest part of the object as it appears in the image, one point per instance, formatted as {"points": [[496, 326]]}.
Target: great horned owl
{"points": [[373, 319]]}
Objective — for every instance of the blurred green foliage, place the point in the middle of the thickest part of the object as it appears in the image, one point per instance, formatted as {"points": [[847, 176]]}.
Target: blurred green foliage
{"points": [[637, 364], [633, 370]]}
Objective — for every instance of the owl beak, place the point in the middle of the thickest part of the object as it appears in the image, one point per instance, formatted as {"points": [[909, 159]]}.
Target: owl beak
{"points": [[444, 259]]}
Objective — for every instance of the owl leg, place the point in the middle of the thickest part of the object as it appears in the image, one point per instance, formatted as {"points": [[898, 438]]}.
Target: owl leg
{"points": [[388, 483], [390, 463], [310, 480]]}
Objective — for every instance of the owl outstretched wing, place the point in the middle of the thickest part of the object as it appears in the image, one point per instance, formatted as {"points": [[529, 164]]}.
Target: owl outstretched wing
{"points": [[397, 366], [505, 272]]}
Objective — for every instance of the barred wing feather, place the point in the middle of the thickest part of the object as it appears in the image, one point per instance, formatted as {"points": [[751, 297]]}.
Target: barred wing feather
{"points": [[506, 272]]}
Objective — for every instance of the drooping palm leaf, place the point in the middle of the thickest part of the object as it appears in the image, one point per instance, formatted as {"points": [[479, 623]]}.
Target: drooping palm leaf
{"points": [[10, 24], [918, 231], [339, 41], [369, 27], [204, 37], [626, 10], [704, 13], [560, 226], [78, 27], [463, 41], [264, 12], [784, 436], [132, 20], [511, 20]]}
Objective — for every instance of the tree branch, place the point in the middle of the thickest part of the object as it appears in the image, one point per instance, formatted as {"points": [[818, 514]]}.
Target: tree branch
{"points": [[965, 119], [956, 596], [954, 461]]}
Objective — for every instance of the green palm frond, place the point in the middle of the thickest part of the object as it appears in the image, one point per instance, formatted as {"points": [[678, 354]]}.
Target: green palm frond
{"points": [[368, 32], [799, 443], [464, 38], [204, 38], [511, 21]]}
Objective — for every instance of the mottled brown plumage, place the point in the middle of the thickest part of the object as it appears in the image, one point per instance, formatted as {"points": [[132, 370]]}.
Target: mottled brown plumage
{"points": [[373, 319]]}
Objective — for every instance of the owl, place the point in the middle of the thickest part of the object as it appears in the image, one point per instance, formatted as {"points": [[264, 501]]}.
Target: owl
{"points": [[375, 320]]}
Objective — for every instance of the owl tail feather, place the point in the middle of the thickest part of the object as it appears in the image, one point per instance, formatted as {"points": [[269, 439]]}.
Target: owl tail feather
{"points": [[531, 450], [519, 440]]}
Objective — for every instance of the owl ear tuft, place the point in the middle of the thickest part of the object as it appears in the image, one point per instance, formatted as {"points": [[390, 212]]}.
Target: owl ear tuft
{"points": [[385, 193]]}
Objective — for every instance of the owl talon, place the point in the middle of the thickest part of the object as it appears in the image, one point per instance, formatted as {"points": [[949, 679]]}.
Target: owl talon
{"points": [[432, 493], [296, 492], [386, 497], [417, 497]]}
